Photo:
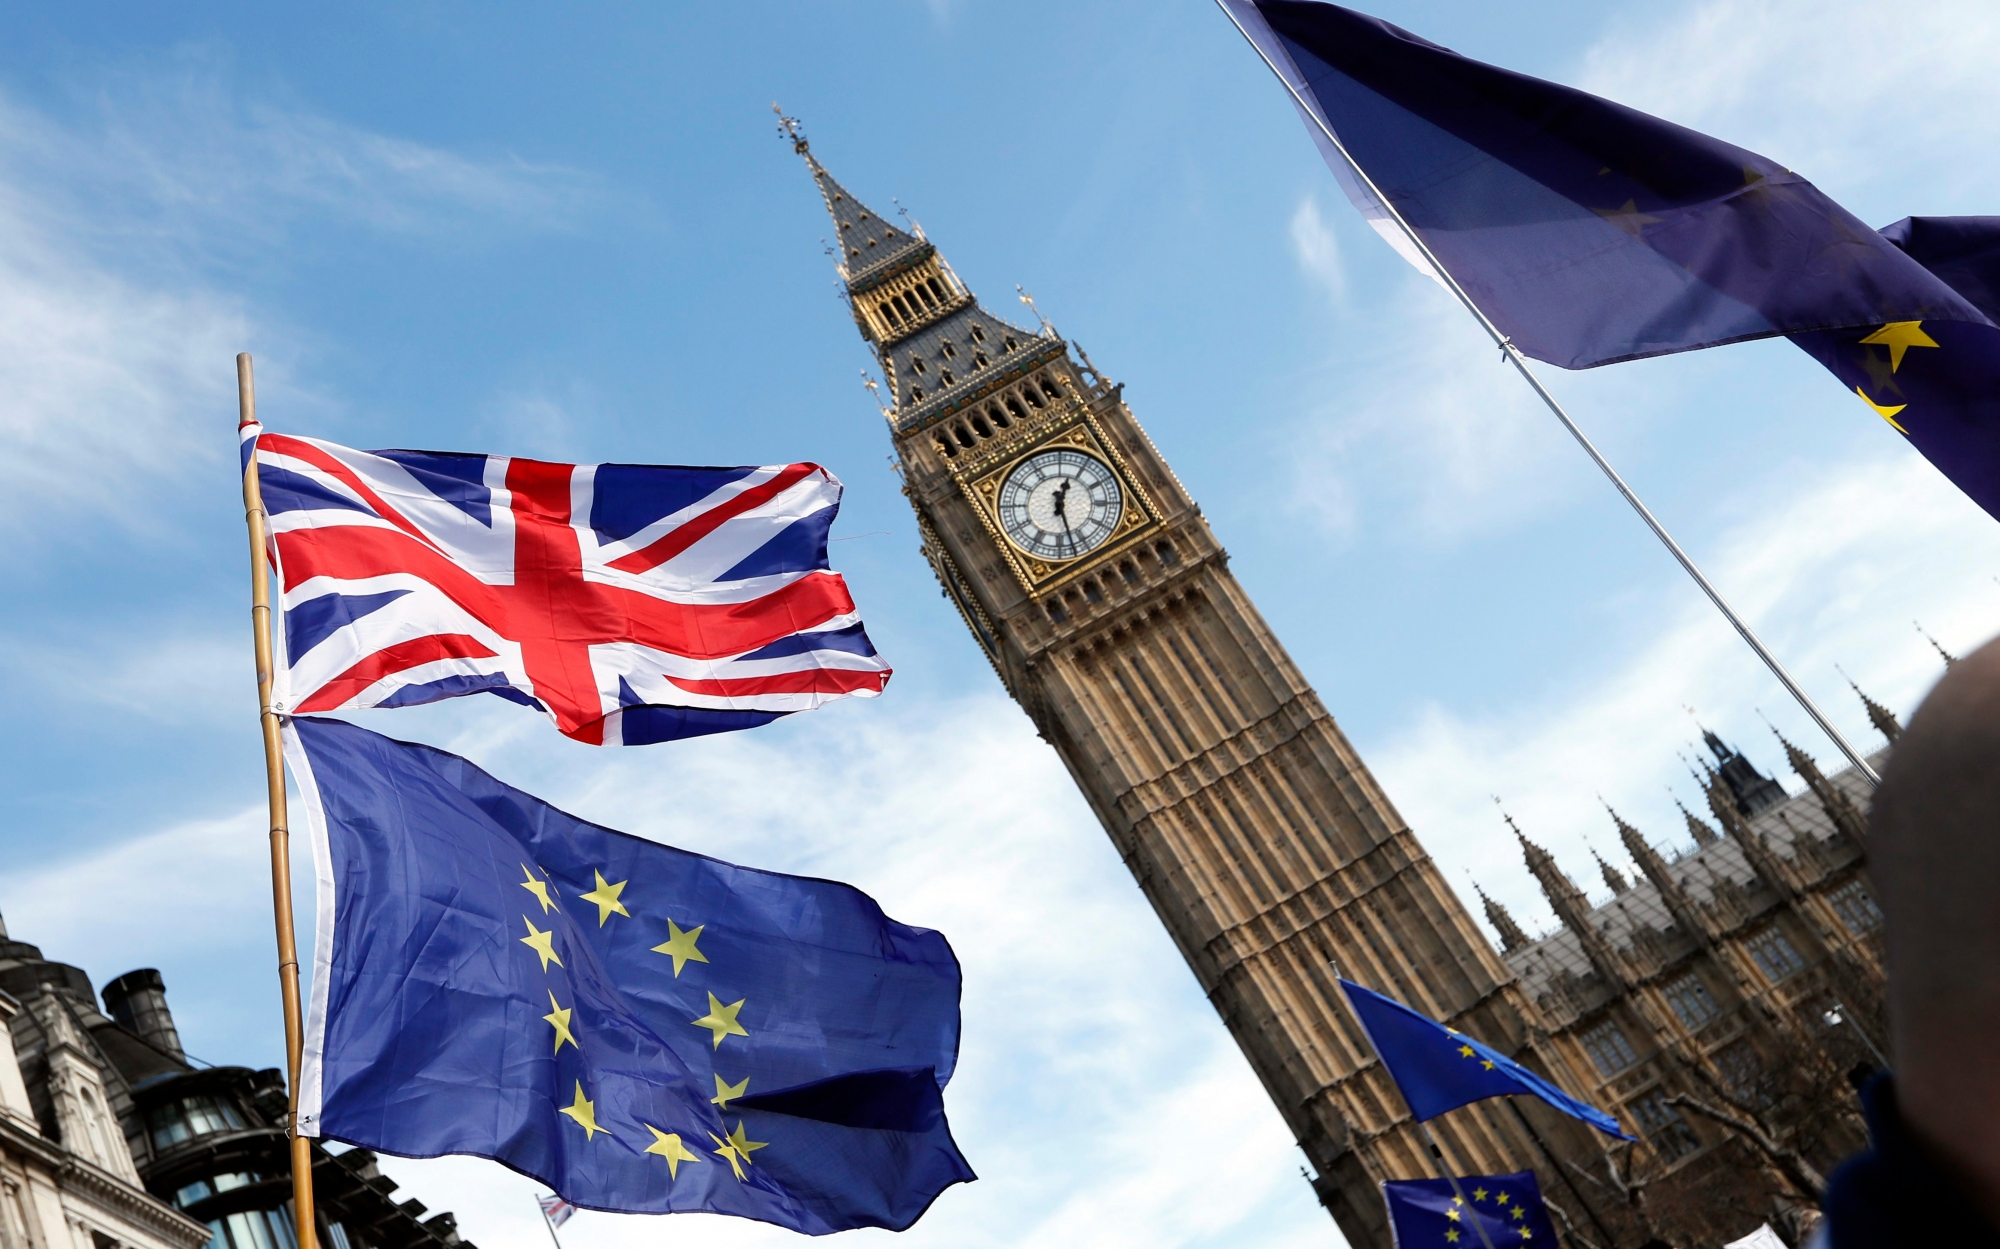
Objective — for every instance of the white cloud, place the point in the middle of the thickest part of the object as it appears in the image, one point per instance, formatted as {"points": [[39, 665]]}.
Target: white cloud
{"points": [[1092, 1072], [1811, 570], [1861, 100], [1425, 425], [118, 375], [1317, 248]]}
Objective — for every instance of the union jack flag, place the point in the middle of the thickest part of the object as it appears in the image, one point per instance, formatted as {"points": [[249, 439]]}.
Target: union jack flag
{"points": [[631, 603], [555, 1209]]}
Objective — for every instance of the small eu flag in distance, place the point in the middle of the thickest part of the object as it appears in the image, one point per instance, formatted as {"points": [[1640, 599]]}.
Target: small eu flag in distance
{"points": [[1429, 1214], [640, 1028], [1439, 1069]]}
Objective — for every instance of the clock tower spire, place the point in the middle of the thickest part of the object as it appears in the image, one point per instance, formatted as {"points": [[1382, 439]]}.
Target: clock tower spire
{"points": [[1093, 585]]}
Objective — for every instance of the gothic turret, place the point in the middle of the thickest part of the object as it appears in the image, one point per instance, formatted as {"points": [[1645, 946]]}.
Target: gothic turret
{"points": [[1754, 792], [1570, 904], [1701, 830], [1947, 656], [1679, 905], [1614, 879], [940, 352], [1881, 717], [1511, 936], [1838, 806]]}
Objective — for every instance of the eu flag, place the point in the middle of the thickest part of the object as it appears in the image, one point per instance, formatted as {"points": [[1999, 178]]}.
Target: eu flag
{"points": [[1429, 1214], [640, 1028], [1439, 1069], [1590, 232]]}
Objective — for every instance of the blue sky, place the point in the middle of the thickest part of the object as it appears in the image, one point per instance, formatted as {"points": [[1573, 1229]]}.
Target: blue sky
{"points": [[577, 236]]}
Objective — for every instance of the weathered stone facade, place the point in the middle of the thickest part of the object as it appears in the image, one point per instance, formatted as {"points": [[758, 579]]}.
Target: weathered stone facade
{"points": [[112, 1138], [1266, 847]]}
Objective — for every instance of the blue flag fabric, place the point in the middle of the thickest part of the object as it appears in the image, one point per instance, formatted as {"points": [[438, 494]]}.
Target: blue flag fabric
{"points": [[640, 1028], [1427, 1214], [1439, 1069], [1591, 233]]}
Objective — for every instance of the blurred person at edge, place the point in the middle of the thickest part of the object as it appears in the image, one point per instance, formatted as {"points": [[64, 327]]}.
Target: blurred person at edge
{"points": [[1931, 1175]]}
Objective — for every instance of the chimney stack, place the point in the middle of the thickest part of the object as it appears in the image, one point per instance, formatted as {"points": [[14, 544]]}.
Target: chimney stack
{"points": [[138, 1000]]}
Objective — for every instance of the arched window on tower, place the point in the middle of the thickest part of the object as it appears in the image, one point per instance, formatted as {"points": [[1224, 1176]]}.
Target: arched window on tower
{"points": [[917, 365], [978, 335], [950, 352], [1014, 407], [999, 418], [979, 424], [937, 290]]}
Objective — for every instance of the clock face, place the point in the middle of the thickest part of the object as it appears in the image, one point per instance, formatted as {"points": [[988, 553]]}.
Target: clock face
{"points": [[1060, 504]]}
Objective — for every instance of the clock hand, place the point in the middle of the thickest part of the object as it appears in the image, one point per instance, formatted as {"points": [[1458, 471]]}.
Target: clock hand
{"points": [[1062, 513]]}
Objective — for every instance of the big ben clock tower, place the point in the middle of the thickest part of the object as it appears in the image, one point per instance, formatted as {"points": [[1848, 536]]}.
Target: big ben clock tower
{"points": [[1091, 582]]}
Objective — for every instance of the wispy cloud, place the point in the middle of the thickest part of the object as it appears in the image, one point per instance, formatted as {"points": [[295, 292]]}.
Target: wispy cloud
{"points": [[1317, 248], [1811, 569], [1092, 1072], [119, 224], [1858, 102]]}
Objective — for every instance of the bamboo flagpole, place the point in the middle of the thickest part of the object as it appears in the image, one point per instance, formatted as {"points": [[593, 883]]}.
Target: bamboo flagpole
{"points": [[281, 840], [1513, 355]]}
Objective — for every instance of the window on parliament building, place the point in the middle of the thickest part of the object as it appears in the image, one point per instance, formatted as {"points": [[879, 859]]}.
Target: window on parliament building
{"points": [[1774, 954], [1691, 1001], [1856, 909], [1609, 1049]]}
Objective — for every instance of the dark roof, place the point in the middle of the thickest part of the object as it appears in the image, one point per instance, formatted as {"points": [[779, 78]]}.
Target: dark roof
{"points": [[867, 241], [1541, 961]]}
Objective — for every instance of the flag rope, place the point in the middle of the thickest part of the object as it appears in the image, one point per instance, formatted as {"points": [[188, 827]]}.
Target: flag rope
{"points": [[1520, 362], [274, 779]]}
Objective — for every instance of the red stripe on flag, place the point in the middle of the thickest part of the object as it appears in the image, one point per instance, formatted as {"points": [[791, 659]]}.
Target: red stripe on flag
{"points": [[287, 445], [810, 681], [595, 613], [390, 660], [693, 531]]}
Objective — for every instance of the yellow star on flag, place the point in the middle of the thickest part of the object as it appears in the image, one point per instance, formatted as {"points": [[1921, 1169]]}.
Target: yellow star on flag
{"points": [[743, 1144], [1451, 1214], [1451, 1235], [560, 1019], [1488, 1064], [606, 898], [542, 943], [725, 1092], [1479, 1194], [680, 945], [1627, 217], [1519, 1213], [584, 1111], [668, 1145], [1887, 411], [1525, 1233], [729, 1154], [540, 888], [1899, 337], [721, 1020], [1466, 1050], [1502, 1199]]}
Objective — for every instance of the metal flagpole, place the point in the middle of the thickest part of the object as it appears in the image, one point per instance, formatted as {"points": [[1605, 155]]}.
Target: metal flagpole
{"points": [[548, 1222], [274, 779], [1520, 362], [1438, 1155]]}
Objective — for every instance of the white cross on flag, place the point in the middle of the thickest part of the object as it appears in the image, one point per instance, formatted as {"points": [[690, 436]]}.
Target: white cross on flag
{"points": [[631, 603]]}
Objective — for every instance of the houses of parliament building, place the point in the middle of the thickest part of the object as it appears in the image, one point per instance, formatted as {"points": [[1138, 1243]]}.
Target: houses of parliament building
{"points": [[1093, 585]]}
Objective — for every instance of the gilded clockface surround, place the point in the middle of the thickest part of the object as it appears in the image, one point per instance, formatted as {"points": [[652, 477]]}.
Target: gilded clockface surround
{"points": [[1016, 496], [1060, 503]]}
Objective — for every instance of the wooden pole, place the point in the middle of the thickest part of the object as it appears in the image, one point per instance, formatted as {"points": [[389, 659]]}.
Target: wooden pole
{"points": [[281, 839]]}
